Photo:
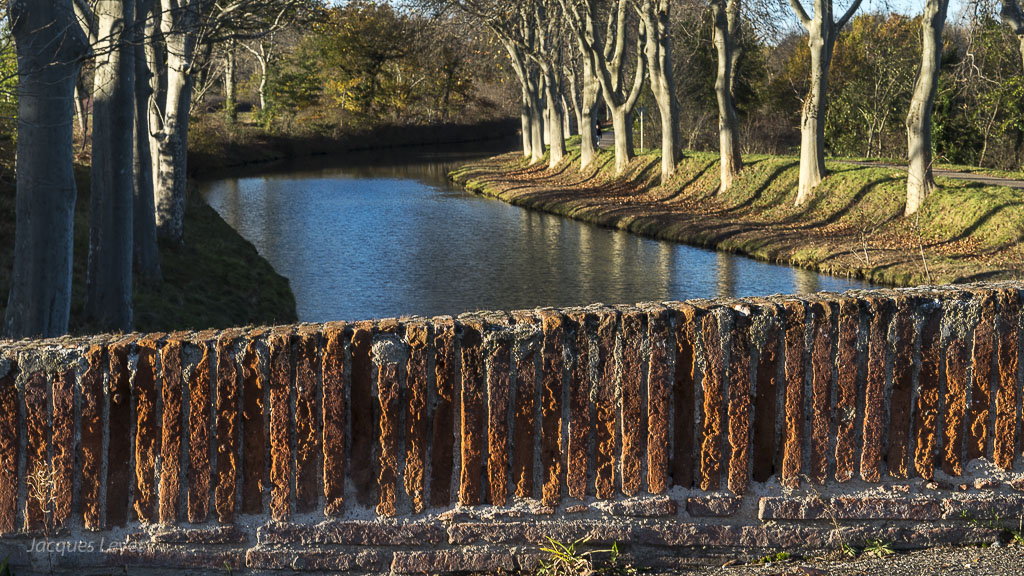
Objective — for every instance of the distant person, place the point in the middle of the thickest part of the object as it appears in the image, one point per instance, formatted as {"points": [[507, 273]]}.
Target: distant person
{"points": [[597, 134]]}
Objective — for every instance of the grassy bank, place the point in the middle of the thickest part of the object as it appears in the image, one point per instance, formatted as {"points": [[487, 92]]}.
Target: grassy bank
{"points": [[217, 280], [854, 225]]}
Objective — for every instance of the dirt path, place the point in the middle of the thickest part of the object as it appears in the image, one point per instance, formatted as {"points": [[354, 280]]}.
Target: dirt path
{"points": [[986, 179]]}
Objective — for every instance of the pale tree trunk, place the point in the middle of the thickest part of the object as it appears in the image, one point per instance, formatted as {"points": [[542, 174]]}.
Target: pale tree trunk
{"points": [[536, 117], [555, 114], [730, 157], [263, 83], [822, 31], [567, 117], [147, 254], [656, 16], [108, 295], [1014, 18], [526, 108], [920, 180], [229, 84], [591, 92], [177, 25], [49, 45]]}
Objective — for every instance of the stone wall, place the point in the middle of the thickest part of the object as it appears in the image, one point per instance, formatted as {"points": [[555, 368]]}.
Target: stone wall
{"points": [[679, 430]]}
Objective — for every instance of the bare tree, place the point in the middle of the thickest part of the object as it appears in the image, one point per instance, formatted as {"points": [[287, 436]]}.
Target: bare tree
{"points": [[547, 53], [608, 49], [50, 45], [585, 95], [822, 31], [146, 263], [656, 16], [1014, 18], [920, 180], [726, 15]]}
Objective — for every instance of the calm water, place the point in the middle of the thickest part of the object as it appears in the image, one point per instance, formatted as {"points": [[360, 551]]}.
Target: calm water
{"points": [[393, 238]]}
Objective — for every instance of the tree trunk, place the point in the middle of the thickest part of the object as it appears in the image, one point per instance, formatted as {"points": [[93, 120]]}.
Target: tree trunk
{"points": [[108, 295], [730, 158], [172, 141], [659, 63], [49, 45], [919, 120], [147, 253], [812, 122], [536, 118], [230, 105], [623, 138], [526, 124], [263, 82], [555, 115]]}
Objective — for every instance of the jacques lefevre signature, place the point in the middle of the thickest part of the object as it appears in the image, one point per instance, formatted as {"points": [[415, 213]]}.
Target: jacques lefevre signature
{"points": [[63, 547]]}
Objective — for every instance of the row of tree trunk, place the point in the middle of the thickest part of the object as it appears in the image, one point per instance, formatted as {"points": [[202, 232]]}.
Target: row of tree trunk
{"points": [[141, 92]]}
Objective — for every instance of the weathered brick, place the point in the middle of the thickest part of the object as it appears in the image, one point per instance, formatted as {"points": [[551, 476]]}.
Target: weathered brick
{"points": [[119, 453], [677, 534], [147, 432], [821, 389], [254, 433], [354, 533], [685, 410], [471, 408], [577, 453], [987, 509], [955, 403], [171, 430], [551, 407], [639, 507], [37, 463], [364, 421], [876, 420], [453, 561], [63, 427], [442, 435], [316, 560], [1006, 393], [307, 413], [387, 477], [198, 503], [847, 361], [739, 405], [983, 356], [133, 555], [848, 508], [523, 417], [926, 420], [606, 448], [334, 419], [497, 421], [898, 459], [537, 532], [714, 405], [90, 444], [792, 443], [205, 536], [9, 440], [633, 428], [766, 399], [417, 415], [279, 344], [227, 427], [713, 506], [659, 398]]}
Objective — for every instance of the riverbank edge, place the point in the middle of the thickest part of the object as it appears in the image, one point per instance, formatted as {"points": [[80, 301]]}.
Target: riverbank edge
{"points": [[762, 247], [248, 150]]}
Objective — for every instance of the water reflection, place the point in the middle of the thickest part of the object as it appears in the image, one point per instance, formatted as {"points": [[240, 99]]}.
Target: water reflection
{"points": [[387, 240]]}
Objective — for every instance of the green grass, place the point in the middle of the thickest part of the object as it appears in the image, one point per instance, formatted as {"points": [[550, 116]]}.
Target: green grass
{"points": [[217, 280]]}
